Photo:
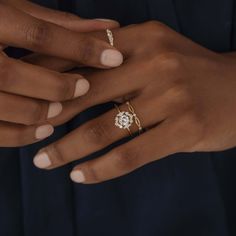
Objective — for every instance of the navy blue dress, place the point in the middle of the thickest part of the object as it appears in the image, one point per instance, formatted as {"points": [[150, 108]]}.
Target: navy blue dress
{"points": [[184, 194]]}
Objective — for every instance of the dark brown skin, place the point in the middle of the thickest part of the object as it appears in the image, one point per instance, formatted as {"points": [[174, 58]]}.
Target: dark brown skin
{"points": [[31, 94], [183, 93]]}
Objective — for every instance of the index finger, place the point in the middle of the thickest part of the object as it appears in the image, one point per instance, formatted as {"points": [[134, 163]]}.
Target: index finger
{"points": [[65, 19], [19, 29]]}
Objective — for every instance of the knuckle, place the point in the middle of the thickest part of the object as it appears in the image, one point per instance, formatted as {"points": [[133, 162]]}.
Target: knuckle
{"points": [[64, 89], [154, 25], [38, 34], [156, 30], [91, 172], [36, 112], [126, 159], [56, 154], [20, 138], [86, 49], [180, 94], [170, 61], [97, 133]]}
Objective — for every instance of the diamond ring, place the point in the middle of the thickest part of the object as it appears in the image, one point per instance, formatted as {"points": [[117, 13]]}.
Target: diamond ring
{"points": [[125, 119]]}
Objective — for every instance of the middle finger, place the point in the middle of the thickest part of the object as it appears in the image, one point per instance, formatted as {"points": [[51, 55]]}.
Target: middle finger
{"points": [[33, 81]]}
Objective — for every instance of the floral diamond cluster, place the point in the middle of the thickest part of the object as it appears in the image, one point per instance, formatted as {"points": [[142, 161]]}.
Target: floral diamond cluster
{"points": [[124, 120]]}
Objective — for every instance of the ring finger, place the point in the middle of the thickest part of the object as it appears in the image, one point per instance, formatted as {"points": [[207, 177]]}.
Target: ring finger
{"points": [[95, 135]]}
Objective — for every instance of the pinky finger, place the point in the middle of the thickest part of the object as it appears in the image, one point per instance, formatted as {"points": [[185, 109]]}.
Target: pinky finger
{"points": [[148, 147], [15, 135]]}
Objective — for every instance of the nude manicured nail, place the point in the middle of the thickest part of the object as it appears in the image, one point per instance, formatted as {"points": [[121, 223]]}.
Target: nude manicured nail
{"points": [[77, 176], [81, 87], [54, 109], [44, 131], [42, 160], [111, 58]]}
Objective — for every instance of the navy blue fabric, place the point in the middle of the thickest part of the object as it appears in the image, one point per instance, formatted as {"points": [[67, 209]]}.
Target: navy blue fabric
{"points": [[184, 194]]}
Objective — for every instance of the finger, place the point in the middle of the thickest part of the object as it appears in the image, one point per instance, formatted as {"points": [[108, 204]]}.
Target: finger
{"points": [[125, 81], [27, 111], [116, 83], [101, 81], [21, 30], [153, 145], [2, 47], [28, 80], [15, 135], [65, 19], [93, 136], [51, 63], [125, 39]]}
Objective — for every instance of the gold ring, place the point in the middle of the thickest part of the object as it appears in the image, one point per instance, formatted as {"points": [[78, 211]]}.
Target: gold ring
{"points": [[110, 37], [125, 119]]}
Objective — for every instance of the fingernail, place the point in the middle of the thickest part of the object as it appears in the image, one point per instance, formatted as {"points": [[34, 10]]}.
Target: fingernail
{"points": [[106, 20], [111, 58], [42, 160], [77, 176], [54, 109], [81, 87], [44, 131]]}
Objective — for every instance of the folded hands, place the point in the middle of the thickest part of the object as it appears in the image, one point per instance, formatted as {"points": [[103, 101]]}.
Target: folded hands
{"points": [[182, 93]]}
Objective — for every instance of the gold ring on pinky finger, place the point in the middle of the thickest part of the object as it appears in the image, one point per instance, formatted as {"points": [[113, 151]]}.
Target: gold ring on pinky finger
{"points": [[125, 119], [110, 37]]}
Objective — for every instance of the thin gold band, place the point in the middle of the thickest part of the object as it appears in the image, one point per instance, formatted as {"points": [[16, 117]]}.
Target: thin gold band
{"points": [[136, 119]]}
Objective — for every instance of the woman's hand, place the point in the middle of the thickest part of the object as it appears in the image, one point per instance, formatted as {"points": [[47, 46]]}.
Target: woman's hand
{"points": [[45, 31], [68, 21], [183, 94], [30, 94]]}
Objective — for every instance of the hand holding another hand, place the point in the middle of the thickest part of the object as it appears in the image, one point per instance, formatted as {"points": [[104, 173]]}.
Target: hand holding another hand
{"points": [[182, 93]]}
